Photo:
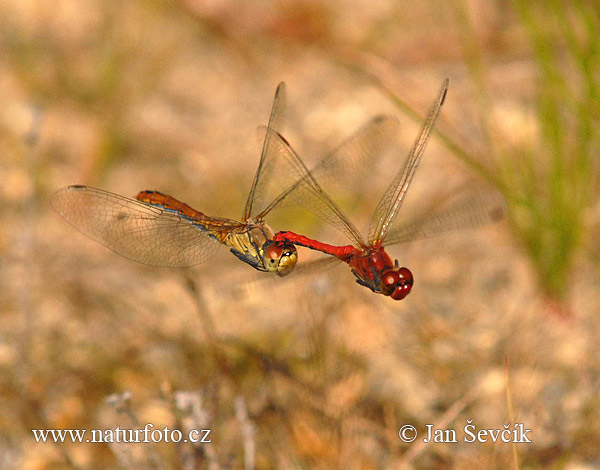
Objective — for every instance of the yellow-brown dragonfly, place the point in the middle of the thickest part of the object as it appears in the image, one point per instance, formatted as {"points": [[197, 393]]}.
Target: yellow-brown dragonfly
{"points": [[159, 230]]}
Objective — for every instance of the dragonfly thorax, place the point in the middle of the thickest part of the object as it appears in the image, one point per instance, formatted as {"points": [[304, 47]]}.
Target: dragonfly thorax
{"points": [[374, 269], [254, 244]]}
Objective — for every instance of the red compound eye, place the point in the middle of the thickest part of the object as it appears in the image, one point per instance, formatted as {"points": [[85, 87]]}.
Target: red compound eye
{"points": [[280, 258], [273, 252], [390, 278], [406, 275], [397, 283], [401, 292]]}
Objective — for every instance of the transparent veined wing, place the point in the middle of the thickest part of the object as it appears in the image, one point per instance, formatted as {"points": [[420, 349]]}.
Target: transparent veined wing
{"points": [[306, 191], [390, 203], [266, 167], [467, 212], [276, 177], [354, 155], [133, 229]]}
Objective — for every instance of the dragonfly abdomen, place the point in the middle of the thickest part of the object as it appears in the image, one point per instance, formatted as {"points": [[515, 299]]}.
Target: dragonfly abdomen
{"points": [[341, 252], [217, 227], [171, 204]]}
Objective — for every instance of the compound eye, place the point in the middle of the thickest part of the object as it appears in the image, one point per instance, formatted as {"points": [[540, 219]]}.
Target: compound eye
{"points": [[288, 260], [397, 283], [406, 275], [401, 292], [272, 254], [390, 278], [404, 285]]}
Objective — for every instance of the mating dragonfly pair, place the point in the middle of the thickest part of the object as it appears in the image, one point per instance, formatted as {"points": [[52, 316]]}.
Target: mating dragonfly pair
{"points": [[159, 230]]}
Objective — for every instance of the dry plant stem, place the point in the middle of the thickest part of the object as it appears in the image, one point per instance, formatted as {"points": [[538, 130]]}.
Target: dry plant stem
{"points": [[27, 247], [207, 321], [185, 452], [308, 393], [26, 244], [121, 403], [476, 65], [208, 325], [248, 432], [67, 458], [442, 423], [193, 415], [37, 418], [511, 410]]}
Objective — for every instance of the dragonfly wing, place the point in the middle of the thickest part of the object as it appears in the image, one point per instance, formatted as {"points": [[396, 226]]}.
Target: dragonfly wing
{"points": [[357, 155], [135, 230], [265, 166], [392, 199], [317, 265], [468, 212], [352, 158], [306, 191], [308, 270]]}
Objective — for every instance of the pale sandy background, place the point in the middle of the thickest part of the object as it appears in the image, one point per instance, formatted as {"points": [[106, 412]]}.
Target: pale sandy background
{"points": [[167, 95]]}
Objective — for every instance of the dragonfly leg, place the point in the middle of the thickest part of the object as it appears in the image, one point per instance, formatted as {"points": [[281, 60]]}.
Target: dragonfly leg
{"points": [[366, 284], [248, 259]]}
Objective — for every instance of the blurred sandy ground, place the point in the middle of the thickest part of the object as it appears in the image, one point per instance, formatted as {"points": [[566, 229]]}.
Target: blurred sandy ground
{"points": [[168, 96]]}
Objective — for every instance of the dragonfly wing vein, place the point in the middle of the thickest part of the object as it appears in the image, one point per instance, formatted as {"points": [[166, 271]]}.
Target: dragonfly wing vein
{"points": [[468, 212], [257, 194], [392, 199], [133, 229]]}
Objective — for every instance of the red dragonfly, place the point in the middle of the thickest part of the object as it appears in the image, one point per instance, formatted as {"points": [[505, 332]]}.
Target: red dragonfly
{"points": [[369, 262], [159, 230]]}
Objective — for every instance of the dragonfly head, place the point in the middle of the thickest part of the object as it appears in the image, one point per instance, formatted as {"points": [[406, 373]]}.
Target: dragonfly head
{"points": [[279, 258], [397, 282]]}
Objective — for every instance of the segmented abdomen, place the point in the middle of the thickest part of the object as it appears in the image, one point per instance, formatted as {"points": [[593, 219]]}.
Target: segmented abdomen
{"points": [[219, 227], [342, 252]]}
